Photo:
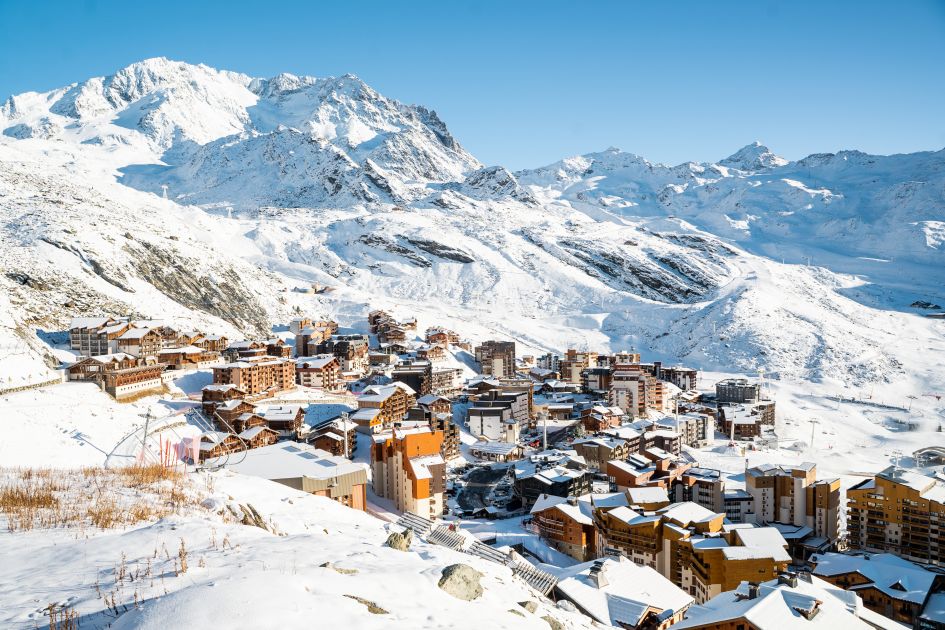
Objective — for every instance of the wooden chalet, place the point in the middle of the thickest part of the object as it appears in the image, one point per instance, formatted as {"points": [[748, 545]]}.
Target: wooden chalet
{"points": [[278, 348], [140, 342], [120, 374], [258, 436], [188, 357], [286, 419], [217, 444]]}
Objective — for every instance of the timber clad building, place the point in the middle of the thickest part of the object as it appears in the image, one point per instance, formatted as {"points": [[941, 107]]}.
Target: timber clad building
{"points": [[121, 375], [322, 371], [694, 547], [258, 375], [901, 512]]}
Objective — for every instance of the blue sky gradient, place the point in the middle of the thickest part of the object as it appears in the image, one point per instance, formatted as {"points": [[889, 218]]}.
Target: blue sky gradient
{"points": [[526, 83]]}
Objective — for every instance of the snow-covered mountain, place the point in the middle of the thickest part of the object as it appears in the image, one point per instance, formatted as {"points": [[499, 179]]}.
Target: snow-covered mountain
{"points": [[807, 268]]}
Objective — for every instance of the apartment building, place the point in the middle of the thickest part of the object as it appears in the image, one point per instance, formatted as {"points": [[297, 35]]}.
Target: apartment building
{"points": [[493, 421], [380, 406], [496, 358], [322, 371], [695, 429], [899, 511], [140, 342], [351, 350], [121, 375], [303, 467], [573, 364], [737, 390], [684, 378], [257, 376], [445, 381], [409, 470], [597, 451], [782, 494], [417, 374], [553, 472], [634, 390], [694, 547], [96, 336]]}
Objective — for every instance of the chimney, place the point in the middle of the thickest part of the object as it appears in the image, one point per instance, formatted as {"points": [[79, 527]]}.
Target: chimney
{"points": [[597, 574], [572, 500], [753, 590], [788, 578]]}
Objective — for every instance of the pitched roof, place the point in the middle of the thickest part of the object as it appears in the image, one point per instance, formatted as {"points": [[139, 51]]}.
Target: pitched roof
{"points": [[781, 607], [135, 333], [629, 592]]}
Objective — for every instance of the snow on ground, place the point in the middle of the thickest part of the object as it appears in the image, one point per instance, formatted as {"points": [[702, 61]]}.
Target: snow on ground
{"points": [[851, 439], [68, 425], [250, 573]]}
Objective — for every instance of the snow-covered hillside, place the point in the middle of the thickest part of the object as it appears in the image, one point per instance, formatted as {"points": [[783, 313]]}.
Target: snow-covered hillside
{"points": [[180, 553], [276, 183]]}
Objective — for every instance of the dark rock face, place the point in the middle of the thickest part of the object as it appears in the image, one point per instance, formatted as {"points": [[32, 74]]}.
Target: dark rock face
{"points": [[225, 296], [386, 244], [440, 250]]}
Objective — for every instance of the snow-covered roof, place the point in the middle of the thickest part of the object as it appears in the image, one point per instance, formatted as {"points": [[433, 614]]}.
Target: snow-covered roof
{"points": [[493, 448], [365, 414], [287, 460], [623, 432], [934, 609], [88, 322], [546, 501], [781, 607], [421, 465], [929, 488], [108, 358], [184, 350], [315, 362], [627, 593], [284, 413], [252, 432], [625, 514], [649, 494], [135, 333], [687, 512], [623, 466], [894, 576], [220, 387], [380, 393], [611, 443], [429, 399]]}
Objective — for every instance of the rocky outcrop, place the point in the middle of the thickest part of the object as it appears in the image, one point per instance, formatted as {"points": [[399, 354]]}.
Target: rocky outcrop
{"points": [[400, 541], [461, 581]]}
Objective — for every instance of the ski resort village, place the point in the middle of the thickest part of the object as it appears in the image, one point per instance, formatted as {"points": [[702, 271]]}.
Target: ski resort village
{"points": [[629, 493], [280, 352]]}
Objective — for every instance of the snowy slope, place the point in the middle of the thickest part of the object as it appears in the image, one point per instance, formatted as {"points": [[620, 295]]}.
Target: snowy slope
{"points": [[243, 576], [276, 183]]}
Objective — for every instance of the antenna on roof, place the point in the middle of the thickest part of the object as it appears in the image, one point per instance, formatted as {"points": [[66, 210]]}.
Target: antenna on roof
{"points": [[896, 458]]}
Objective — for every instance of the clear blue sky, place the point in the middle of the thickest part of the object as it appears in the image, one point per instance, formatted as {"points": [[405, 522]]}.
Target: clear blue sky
{"points": [[525, 83]]}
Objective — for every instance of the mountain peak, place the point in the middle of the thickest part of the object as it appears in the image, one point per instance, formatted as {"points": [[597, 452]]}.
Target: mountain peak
{"points": [[753, 157]]}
